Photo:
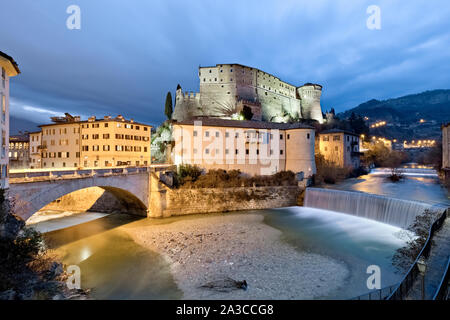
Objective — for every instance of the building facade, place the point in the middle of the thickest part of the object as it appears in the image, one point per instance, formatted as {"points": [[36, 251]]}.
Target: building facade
{"points": [[19, 151], [107, 142], [226, 89], [339, 147], [9, 69], [253, 147], [446, 149], [35, 149]]}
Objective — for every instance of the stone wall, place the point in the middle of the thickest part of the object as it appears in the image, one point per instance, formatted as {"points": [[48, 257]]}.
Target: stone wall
{"points": [[193, 201]]}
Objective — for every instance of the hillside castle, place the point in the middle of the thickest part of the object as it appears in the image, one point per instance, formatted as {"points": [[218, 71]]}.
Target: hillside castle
{"points": [[228, 89]]}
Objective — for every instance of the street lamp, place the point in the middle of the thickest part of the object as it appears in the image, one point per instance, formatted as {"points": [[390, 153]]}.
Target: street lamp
{"points": [[422, 265]]}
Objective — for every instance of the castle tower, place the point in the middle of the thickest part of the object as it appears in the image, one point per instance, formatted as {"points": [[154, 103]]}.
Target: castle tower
{"points": [[310, 94]]}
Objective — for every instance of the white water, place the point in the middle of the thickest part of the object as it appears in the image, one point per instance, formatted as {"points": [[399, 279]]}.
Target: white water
{"points": [[395, 212], [416, 172]]}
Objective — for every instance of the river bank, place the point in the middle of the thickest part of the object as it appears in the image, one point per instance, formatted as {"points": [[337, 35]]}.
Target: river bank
{"points": [[210, 249]]}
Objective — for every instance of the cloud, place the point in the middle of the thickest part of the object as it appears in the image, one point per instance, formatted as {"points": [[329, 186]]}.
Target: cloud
{"points": [[126, 57]]}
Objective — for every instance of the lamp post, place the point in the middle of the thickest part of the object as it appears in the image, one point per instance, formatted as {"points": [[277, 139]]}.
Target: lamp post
{"points": [[422, 265]]}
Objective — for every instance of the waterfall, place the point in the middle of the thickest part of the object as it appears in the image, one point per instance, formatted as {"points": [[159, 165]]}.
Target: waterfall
{"points": [[420, 172], [396, 212]]}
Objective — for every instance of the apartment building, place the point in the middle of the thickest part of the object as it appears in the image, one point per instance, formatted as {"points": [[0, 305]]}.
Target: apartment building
{"points": [[107, 142], [9, 69], [19, 151], [253, 147], [35, 149], [340, 147], [446, 149]]}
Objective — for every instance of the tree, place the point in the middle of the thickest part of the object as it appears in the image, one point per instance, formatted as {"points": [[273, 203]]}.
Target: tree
{"points": [[168, 108]]}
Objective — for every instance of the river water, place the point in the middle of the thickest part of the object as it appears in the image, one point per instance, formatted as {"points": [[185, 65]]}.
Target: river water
{"points": [[115, 267]]}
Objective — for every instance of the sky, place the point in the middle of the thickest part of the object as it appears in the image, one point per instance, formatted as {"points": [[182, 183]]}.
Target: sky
{"points": [[127, 55]]}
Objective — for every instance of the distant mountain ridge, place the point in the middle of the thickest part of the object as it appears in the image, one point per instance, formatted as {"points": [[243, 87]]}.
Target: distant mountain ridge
{"points": [[404, 113], [18, 124]]}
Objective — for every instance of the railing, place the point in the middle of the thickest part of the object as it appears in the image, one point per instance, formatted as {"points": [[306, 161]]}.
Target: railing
{"points": [[380, 294], [408, 280], [441, 292], [28, 176]]}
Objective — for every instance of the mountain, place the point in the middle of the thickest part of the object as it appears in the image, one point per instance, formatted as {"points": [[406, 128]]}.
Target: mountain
{"points": [[403, 115], [19, 124]]}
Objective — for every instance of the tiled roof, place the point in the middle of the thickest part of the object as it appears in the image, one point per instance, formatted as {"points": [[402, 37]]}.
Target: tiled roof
{"points": [[14, 64], [339, 131], [217, 122]]}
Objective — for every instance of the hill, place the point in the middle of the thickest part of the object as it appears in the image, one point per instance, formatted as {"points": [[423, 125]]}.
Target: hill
{"points": [[19, 124], [403, 115]]}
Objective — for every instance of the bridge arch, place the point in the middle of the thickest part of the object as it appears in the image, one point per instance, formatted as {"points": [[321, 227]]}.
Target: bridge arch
{"points": [[132, 191]]}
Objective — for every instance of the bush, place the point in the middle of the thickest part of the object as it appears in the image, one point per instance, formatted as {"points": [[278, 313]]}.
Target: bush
{"points": [[328, 172], [192, 177], [405, 256]]}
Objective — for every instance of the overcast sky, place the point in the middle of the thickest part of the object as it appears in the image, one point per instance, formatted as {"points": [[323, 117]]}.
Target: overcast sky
{"points": [[128, 54]]}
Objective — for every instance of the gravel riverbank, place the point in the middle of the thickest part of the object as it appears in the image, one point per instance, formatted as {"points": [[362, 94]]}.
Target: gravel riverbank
{"points": [[239, 246]]}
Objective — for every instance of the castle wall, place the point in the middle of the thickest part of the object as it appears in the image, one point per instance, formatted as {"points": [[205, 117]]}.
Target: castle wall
{"points": [[224, 85]]}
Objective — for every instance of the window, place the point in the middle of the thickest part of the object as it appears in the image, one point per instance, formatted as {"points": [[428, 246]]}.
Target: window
{"points": [[281, 137], [336, 148], [95, 136], [106, 125], [106, 147], [226, 151], [206, 133], [281, 151], [227, 134], [145, 149], [217, 134], [308, 136], [195, 150], [326, 138], [237, 151], [288, 136], [85, 148], [106, 136], [207, 151], [195, 133], [247, 151], [336, 138]]}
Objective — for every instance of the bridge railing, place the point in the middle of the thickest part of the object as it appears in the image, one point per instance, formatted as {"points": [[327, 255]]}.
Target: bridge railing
{"points": [[408, 280], [29, 176], [380, 294], [442, 291]]}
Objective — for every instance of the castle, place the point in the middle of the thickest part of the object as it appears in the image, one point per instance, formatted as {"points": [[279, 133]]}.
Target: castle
{"points": [[226, 90]]}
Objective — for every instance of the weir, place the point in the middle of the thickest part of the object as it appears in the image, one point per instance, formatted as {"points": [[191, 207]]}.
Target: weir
{"points": [[397, 212]]}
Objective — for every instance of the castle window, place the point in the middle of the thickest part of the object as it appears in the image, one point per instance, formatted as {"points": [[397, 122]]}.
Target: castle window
{"points": [[195, 150], [231, 70], [215, 79], [217, 134], [207, 151], [281, 137], [336, 138], [206, 133], [209, 70], [281, 152], [231, 79], [195, 133], [288, 136], [221, 70], [307, 136], [226, 151], [204, 79], [247, 151]]}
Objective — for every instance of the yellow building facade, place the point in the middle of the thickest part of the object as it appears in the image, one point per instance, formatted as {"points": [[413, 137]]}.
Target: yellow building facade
{"points": [[339, 147], [94, 143]]}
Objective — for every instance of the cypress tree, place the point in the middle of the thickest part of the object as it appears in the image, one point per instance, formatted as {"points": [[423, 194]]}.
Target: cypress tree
{"points": [[168, 108]]}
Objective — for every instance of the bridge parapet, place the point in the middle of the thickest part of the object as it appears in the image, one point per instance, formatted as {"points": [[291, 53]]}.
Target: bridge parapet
{"points": [[36, 176]]}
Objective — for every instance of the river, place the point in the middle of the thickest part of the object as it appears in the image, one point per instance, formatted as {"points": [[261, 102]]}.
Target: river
{"points": [[115, 267]]}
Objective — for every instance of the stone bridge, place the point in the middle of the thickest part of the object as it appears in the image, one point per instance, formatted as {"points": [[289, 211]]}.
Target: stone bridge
{"points": [[138, 187]]}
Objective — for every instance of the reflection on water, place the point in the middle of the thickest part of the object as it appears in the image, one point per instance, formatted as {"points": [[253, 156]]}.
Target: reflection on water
{"points": [[415, 186], [356, 241], [111, 263]]}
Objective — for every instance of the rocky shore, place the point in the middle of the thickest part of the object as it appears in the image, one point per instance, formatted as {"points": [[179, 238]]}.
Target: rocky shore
{"points": [[207, 253]]}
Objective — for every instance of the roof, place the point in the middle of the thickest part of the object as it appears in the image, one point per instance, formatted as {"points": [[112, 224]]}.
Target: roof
{"points": [[19, 138], [14, 63], [217, 122], [339, 131], [95, 121], [242, 65]]}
